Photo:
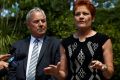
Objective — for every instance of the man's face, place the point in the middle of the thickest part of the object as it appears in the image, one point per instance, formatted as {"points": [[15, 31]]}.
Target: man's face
{"points": [[37, 24]]}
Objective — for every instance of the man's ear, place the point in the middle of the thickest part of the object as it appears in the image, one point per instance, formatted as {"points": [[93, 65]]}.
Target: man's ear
{"points": [[27, 24]]}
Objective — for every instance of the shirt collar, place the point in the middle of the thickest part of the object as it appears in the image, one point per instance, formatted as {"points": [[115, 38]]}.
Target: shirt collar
{"points": [[33, 39]]}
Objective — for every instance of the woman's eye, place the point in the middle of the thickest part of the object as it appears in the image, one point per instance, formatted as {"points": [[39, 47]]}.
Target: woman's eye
{"points": [[77, 14], [84, 13]]}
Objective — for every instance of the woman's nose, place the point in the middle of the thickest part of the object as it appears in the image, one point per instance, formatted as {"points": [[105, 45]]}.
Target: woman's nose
{"points": [[81, 15]]}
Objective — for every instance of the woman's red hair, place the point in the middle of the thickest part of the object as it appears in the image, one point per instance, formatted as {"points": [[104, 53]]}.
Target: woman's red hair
{"points": [[86, 3]]}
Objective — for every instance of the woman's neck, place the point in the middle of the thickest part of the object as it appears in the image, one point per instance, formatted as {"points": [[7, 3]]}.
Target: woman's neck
{"points": [[83, 34]]}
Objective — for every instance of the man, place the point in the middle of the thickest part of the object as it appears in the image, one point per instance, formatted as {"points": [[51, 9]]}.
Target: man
{"points": [[47, 49]]}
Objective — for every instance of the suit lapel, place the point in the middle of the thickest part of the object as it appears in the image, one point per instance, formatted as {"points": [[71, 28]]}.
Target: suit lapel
{"points": [[26, 48], [42, 52], [44, 47]]}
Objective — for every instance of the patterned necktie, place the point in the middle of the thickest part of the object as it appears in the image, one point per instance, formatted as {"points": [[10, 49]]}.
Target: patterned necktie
{"points": [[33, 61]]}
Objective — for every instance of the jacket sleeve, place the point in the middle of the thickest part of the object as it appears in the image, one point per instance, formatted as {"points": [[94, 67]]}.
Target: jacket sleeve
{"points": [[3, 72], [12, 65]]}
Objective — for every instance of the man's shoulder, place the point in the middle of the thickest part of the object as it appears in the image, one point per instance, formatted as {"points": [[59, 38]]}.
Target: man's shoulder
{"points": [[52, 38], [22, 41]]}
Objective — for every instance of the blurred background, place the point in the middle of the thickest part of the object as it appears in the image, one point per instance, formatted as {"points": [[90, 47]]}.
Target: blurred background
{"points": [[60, 22]]}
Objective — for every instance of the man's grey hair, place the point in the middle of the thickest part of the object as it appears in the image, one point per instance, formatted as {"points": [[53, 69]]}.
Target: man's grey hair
{"points": [[36, 9]]}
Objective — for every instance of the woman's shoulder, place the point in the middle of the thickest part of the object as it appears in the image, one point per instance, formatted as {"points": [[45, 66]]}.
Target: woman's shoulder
{"points": [[69, 38], [101, 35]]}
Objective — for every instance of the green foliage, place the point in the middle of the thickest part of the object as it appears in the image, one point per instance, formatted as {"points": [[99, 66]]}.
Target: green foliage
{"points": [[107, 22], [62, 26], [10, 31]]}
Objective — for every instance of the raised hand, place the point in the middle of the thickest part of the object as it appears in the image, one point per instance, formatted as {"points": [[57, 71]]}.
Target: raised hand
{"points": [[4, 57]]}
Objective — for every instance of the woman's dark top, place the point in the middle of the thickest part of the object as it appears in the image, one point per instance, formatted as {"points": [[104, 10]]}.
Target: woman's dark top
{"points": [[80, 55]]}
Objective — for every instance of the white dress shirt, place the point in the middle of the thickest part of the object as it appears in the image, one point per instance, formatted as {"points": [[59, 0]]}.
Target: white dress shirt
{"points": [[31, 49]]}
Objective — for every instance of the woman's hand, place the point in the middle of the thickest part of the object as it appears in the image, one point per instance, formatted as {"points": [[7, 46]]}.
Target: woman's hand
{"points": [[95, 64], [55, 71], [52, 69]]}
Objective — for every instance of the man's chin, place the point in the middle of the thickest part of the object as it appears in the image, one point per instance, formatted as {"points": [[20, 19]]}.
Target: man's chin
{"points": [[41, 33]]}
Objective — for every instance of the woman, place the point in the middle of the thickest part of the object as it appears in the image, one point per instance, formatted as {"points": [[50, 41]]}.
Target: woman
{"points": [[88, 52]]}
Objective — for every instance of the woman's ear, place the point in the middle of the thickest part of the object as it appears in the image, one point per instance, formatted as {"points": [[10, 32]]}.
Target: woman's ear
{"points": [[93, 19]]}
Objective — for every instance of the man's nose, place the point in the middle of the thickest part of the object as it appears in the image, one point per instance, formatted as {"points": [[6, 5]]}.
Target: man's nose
{"points": [[40, 22]]}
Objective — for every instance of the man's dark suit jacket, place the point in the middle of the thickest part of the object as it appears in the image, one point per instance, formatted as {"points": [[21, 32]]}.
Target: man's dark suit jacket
{"points": [[49, 54], [3, 72]]}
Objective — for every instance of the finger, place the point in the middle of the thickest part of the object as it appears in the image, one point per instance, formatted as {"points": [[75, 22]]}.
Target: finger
{"points": [[96, 64], [4, 57], [47, 70], [6, 65], [92, 66], [58, 65], [53, 66], [3, 64], [50, 68], [93, 63]]}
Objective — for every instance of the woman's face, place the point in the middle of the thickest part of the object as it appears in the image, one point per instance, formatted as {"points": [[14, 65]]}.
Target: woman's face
{"points": [[83, 17]]}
